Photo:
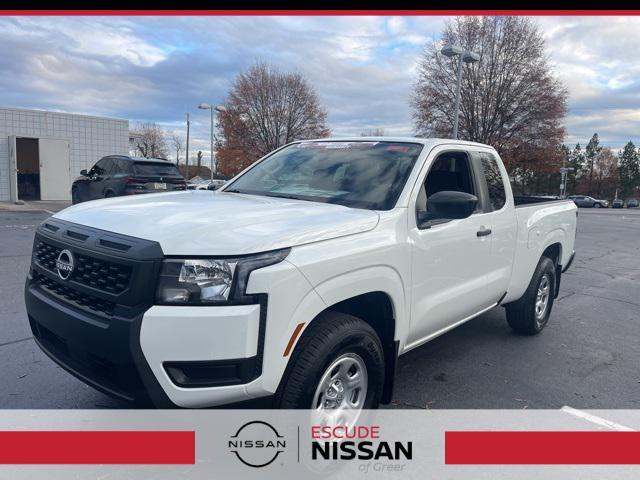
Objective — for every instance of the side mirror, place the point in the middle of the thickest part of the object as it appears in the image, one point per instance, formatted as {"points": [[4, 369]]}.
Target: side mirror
{"points": [[447, 205], [83, 172]]}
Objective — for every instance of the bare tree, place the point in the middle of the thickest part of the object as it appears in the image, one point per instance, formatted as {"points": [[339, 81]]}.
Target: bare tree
{"points": [[150, 140], [176, 141], [266, 109], [372, 132], [509, 99]]}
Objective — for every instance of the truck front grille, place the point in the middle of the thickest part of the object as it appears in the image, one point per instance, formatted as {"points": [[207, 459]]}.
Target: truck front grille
{"points": [[73, 296], [102, 275]]}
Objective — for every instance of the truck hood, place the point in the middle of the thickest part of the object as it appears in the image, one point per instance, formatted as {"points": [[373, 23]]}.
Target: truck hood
{"points": [[218, 223]]}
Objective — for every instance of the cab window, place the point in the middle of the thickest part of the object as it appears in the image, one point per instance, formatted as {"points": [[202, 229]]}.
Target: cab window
{"points": [[495, 185], [450, 171]]}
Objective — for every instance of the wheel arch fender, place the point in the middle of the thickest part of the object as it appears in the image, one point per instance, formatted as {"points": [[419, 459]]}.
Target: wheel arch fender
{"points": [[374, 294]]}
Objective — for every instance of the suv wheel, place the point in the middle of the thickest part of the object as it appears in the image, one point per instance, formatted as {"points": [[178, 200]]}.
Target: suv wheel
{"points": [[530, 314], [337, 369]]}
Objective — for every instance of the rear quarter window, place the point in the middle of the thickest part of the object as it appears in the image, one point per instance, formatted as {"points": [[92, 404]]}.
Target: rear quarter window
{"points": [[495, 185]]}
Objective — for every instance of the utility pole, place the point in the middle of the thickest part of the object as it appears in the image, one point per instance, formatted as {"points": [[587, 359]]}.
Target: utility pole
{"points": [[212, 108], [186, 170]]}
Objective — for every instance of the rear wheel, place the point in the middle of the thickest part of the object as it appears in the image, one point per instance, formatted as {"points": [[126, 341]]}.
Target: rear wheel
{"points": [[75, 195], [337, 369], [530, 314], [109, 194]]}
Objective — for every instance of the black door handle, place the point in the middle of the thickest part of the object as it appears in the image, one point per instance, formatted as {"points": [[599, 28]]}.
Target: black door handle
{"points": [[483, 232]]}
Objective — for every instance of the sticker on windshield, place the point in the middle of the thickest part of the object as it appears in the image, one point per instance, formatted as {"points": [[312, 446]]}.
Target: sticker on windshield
{"points": [[398, 148], [337, 145]]}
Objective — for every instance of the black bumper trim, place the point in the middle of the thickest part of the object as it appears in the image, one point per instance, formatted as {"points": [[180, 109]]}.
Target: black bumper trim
{"points": [[212, 373], [107, 357]]}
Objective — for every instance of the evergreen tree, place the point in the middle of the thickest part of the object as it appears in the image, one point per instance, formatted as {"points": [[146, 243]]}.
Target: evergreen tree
{"points": [[576, 161], [591, 153], [629, 169]]}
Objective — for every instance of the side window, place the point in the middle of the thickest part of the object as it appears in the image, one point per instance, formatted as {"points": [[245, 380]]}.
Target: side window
{"points": [[495, 185], [450, 171], [100, 167], [108, 166], [119, 167]]}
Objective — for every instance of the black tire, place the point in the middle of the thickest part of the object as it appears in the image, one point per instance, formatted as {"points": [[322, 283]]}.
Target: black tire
{"points": [[331, 335], [522, 314], [597, 205], [75, 196], [109, 194]]}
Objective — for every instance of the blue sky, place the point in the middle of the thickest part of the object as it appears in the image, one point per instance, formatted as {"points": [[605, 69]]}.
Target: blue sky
{"points": [[363, 68]]}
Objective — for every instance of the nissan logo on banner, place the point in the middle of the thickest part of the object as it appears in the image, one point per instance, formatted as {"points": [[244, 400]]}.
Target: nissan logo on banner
{"points": [[65, 264]]}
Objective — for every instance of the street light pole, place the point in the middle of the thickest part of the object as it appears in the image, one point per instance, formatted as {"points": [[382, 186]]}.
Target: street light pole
{"points": [[212, 143], [465, 56], [457, 104]]}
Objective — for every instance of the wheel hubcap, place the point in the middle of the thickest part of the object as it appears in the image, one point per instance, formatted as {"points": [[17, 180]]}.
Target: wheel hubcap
{"points": [[341, 393], [542, 297]]}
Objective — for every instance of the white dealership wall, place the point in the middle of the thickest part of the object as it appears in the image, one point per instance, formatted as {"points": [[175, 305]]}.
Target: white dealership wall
{"points": [[90, 138]]}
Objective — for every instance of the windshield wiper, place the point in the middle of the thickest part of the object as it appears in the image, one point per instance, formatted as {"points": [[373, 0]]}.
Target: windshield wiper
{"points": [[281, 195], [288, 196]]}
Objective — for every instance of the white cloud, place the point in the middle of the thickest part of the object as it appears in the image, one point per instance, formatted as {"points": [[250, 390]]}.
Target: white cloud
{"points": [[156, 68]]}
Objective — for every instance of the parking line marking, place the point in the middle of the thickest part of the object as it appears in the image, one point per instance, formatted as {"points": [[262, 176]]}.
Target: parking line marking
{"points": [[596, 420]]}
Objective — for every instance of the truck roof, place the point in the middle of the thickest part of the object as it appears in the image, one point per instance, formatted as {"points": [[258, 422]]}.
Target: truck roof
{"points": [[432, 142]]}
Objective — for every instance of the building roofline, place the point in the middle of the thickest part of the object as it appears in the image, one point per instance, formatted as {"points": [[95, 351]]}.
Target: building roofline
{"points": [[43, 111]]}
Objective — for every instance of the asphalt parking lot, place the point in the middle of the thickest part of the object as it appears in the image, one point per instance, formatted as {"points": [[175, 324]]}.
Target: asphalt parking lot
{"points": [[587, 357]]}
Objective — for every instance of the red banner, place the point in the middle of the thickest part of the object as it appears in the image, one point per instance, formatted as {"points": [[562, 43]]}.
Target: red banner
{"points": [[97, 447], [542, 448]]}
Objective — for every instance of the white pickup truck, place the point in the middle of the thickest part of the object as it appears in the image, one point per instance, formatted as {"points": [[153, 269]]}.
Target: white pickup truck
{"points": [[301, 281]]}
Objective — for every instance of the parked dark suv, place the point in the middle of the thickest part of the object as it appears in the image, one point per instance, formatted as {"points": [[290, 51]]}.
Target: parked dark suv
{"points": [[117, 175]]}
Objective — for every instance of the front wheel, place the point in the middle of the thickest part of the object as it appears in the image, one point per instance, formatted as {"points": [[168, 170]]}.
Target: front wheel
{"points": [[530, 314], [337, 369], [75, 195], [597, 205]]}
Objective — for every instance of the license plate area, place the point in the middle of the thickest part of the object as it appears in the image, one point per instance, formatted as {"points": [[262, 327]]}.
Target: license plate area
{"points": [[157, 186]]}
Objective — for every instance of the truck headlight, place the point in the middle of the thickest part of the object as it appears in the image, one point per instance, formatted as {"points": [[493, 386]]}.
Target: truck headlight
{"points": [[206, 281]]}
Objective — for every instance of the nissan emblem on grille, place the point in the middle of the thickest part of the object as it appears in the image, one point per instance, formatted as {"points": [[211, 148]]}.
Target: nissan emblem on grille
{"points": [[65, 264]]}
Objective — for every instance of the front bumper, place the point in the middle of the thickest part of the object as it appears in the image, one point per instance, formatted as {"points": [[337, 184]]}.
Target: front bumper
{"points": [[104, 354], [164, 356], [203, 356]]}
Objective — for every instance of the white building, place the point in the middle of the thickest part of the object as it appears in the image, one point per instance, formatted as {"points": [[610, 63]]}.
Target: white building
{"points": [[41, 152]]}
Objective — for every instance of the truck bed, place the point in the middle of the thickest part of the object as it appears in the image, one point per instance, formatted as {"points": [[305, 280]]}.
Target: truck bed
{"points": [[520, 200], [541, 221]]}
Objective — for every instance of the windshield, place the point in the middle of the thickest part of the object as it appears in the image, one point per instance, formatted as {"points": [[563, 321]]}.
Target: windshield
{"points": [[359, 174], [159, 169]]}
